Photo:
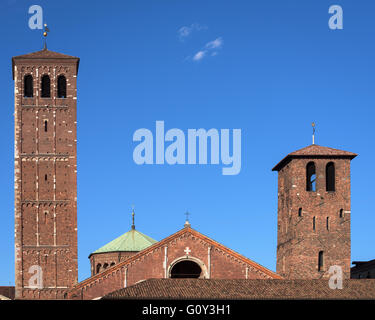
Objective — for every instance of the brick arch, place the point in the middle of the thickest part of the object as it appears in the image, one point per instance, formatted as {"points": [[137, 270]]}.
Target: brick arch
{"points": [[199, 262]]}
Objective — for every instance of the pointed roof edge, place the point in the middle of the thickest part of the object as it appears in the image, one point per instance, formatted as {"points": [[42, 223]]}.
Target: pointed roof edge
{"points": [[314, 151], [239, 256], [145, 236], [43, 55]]}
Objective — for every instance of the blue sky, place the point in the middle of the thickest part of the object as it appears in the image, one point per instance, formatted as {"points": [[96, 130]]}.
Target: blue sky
{"points": [[269, 68]]}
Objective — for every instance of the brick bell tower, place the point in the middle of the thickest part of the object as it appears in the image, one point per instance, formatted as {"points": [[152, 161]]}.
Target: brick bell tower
{"points": [[313, 225], [45, 174]]}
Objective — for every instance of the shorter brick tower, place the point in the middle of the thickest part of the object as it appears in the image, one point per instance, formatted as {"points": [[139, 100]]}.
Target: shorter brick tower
{"points": [[313, 225]]}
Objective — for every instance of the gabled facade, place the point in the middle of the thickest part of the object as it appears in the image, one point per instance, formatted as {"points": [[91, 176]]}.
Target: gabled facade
{"points": [[185, 254]]}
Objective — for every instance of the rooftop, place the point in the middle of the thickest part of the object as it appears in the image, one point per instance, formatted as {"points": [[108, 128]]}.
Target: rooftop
{"points": [[132, 240], [316, 151], [245, 289], [44, 54]]}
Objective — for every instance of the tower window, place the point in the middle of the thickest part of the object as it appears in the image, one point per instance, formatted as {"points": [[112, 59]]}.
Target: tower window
{"points": [[98, 266], [330, 176], [45, 177], [28, 86], [341, 214], [327, 223], [314, 223], [105, 266], [46, 86], [310, 177], [61, 87], [300, 212], [45, 125], [320, 261]]}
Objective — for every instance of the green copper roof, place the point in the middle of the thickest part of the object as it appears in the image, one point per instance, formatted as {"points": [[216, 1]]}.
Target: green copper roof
{"points": [[133, 240]]}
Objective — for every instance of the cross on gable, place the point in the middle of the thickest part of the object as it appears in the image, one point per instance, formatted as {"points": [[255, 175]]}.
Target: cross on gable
{"points": [[187, 251]]}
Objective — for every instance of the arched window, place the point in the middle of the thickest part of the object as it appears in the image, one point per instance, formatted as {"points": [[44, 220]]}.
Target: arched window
{"points": [[105, 266], [186, 269], [98, 266], [341, 214], [61, 86], [330, 177], [310, 177], [28, 86], [112, 264], [320, 261], [46, 86], [300, 212]]}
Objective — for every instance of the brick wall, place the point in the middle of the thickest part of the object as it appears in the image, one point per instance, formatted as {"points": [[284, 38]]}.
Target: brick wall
{"points": [[45, 180], [216, 262], [298, 244]]}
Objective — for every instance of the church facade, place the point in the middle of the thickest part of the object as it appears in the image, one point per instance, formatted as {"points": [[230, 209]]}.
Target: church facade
{"points": [[313, 206]]}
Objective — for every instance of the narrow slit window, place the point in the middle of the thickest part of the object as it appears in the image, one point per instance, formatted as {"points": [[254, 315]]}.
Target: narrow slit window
{"points": [[320, 261], [28, 86], [314, 223], [310, 177], [327, 223], [330, 177], [300, 212], [45, 177], [45, 217], [341, 214], [61, 86], [45, 125], [46, 86]]}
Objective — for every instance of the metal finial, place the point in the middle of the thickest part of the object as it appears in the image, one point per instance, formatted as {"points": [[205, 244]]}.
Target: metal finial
{"points": [[45, 34], [133, 214], [313, 136], [187, 223]]}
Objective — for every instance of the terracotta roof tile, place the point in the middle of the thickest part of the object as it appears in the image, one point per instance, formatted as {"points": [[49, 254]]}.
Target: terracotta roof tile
{"points": [[245, 289], [44, 54], [314, 150]]}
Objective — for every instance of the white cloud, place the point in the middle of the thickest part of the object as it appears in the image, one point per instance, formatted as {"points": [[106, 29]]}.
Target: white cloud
{"points": [[199, 55], [185, 31], [210, 49], [215, 44]]}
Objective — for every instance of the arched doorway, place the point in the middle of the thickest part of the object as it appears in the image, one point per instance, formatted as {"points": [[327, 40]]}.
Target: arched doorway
{"points": [[186, 269]]}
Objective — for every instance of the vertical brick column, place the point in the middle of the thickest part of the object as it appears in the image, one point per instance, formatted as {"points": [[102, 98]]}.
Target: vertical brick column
{"points": [[45, 177]]}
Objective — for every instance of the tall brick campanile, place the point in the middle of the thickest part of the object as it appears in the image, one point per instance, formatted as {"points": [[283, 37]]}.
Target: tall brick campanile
{"points": [[45, 174], [313, 225]]}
